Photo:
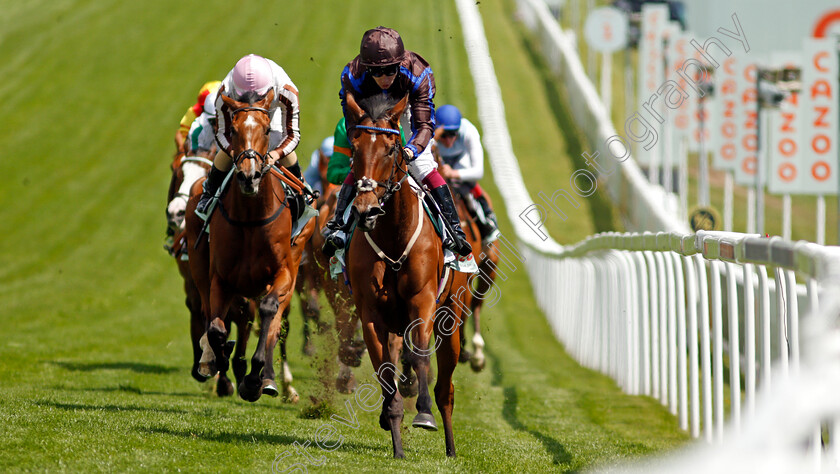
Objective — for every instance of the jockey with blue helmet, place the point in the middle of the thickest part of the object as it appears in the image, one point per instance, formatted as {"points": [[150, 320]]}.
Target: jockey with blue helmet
{"points": [[250, 81], [462, 156], [383, 66], [322, 154]]}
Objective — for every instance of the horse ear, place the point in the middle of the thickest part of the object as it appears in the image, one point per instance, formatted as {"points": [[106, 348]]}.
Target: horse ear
{"points": [[395, 112], [356, 112], [267, 100], [228, 101]]}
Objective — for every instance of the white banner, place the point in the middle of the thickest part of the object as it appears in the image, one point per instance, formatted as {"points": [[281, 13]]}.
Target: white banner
{"points": [[651, 70], [819, 116], [679, 50], [785, 174], [727, 109], [747, 144]]}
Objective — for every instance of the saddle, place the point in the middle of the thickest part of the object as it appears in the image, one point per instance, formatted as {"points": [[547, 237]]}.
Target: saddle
{"points": [[299, 198]]}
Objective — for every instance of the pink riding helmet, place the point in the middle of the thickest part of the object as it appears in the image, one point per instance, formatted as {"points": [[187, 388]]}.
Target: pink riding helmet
{"points": [[252, 73]]}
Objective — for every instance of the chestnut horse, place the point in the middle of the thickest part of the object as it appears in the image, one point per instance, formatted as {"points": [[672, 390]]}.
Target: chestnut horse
{"points": [[250, 252], [241, 313], [399, 296]]}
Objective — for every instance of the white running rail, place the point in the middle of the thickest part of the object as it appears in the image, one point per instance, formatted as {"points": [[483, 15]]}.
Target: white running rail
{"points": [[674, 315]]}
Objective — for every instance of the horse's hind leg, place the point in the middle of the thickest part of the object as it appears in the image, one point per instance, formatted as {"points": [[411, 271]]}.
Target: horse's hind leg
{"points": [[277, 331], [382, 360], [224, 388], [447, 359]]}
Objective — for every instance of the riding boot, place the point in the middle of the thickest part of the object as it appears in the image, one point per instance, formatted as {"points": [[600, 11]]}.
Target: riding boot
{"points": [[209, 189], [333, 241], [443, 197], [489, 228]]}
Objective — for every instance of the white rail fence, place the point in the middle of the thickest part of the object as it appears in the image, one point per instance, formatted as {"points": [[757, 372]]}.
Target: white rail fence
{"points": [[679, 316]]}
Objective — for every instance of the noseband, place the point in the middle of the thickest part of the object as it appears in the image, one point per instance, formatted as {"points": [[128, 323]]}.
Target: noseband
{"points": [[251, 153], [391, 186]]}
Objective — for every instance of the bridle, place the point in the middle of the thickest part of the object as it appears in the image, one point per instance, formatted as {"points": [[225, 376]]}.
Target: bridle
{"points": [[391, 186], [250, 153]]}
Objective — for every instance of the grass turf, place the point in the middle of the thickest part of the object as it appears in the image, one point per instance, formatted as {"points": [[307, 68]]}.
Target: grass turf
{"points": [[95, 365]]}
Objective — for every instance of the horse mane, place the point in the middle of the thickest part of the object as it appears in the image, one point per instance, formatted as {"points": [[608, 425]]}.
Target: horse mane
{"points": [[377, 105]]}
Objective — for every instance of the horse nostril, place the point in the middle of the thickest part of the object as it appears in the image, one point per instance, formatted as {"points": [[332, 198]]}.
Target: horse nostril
{"points": [[257, 175], [240, 176]]}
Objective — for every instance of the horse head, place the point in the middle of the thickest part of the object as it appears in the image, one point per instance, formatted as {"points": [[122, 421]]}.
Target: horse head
{"points": [[249, 141], [377, 151]]}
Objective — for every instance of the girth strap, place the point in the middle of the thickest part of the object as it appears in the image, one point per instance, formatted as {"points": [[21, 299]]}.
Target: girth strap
{"points": [[259, 223], [397, 264]]}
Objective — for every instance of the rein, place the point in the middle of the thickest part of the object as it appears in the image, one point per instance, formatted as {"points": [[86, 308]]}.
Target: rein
{"points": [[251, 153], [391, 186]]}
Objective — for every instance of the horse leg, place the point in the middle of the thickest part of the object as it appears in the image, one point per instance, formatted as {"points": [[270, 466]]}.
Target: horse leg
{"points": [[289, 393], [278, 330], [447, 359], [197, 327], [309, 310], [418, 353], [488, 269], [251, 386], [407, 385], [224, 388], [243, 319], [382, 360], [217, 332]]}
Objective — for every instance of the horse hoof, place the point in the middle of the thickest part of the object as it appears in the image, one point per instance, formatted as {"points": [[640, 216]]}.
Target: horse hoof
{"points": [[425, 421], [198, 376], [409, 389], [248, 392], [224, 388], [228, 349], [465, 356], [270, 388], [291, 395], [207, 370], [477, 365]]}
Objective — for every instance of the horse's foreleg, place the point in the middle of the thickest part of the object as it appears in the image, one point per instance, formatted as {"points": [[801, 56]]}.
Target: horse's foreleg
{"points": [[251, 386], [418, 354], [244, 319], [376, 339]]}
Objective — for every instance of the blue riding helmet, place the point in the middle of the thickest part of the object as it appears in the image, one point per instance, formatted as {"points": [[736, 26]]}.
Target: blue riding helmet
{"points": [[448, 117]]}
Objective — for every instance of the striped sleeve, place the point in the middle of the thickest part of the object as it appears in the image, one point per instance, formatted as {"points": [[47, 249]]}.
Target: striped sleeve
{"points": [[287, 96]]}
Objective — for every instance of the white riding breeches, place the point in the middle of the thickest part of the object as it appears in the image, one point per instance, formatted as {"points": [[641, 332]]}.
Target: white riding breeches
{"points": [[424, 164]]}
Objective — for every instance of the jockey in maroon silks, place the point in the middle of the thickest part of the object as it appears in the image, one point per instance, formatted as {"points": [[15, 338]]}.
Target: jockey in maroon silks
{"points": [[383, 66]]}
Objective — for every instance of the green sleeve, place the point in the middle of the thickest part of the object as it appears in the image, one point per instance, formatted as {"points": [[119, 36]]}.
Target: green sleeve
{"points": [[339, 165]]}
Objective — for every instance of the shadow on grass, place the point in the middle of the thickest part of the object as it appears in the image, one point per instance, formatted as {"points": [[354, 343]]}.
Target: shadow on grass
{"points": [[132, 389], [600, 207], [558, 452], [137, 367], [110, 408], [275, 439]]}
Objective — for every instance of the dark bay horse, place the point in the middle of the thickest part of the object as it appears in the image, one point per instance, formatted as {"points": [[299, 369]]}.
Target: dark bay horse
{"points": [[250, 252], [397, 294]]}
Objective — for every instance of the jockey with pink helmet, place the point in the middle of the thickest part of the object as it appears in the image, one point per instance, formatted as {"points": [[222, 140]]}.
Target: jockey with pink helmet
{"points": [[383, 66], [249, 81]]}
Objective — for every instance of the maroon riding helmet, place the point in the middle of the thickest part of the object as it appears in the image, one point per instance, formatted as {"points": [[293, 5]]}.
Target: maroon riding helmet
{"points": [[381, 46]]}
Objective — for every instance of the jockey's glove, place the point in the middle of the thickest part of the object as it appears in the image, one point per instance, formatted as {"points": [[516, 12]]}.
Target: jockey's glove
{"points": [[408, 155]]}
